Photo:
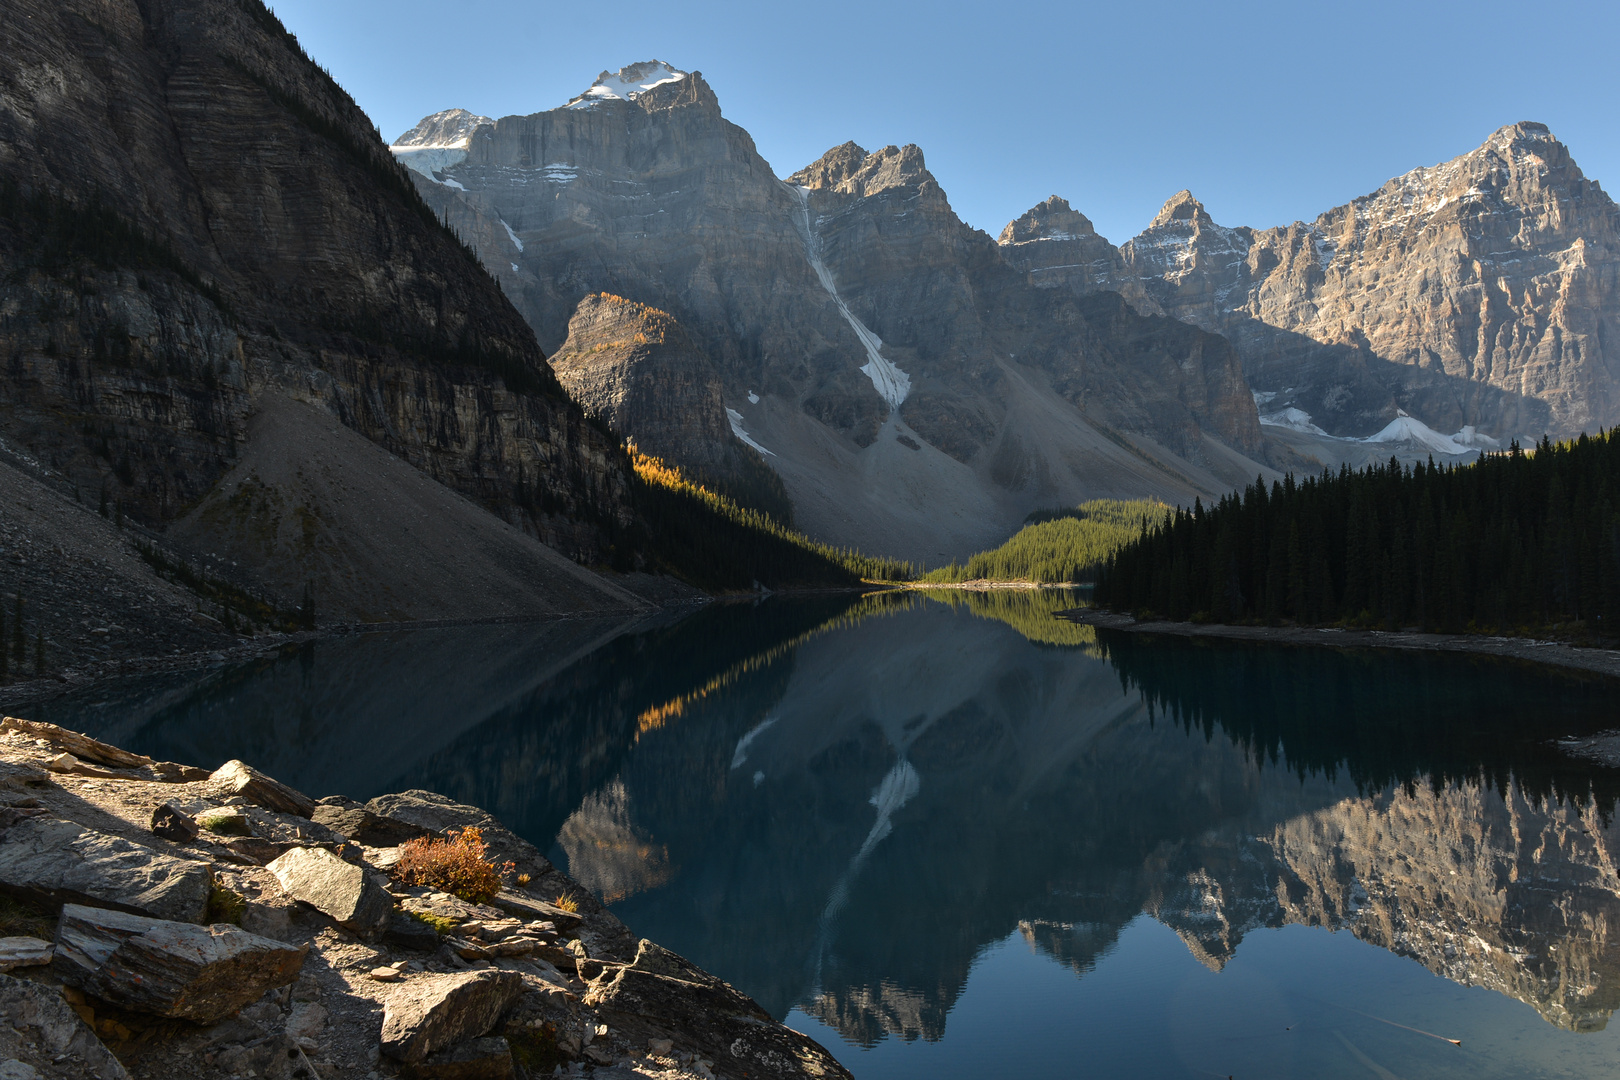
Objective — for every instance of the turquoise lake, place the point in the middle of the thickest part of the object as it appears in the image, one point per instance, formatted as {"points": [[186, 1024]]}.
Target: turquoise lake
{"points": [[952, 836]]}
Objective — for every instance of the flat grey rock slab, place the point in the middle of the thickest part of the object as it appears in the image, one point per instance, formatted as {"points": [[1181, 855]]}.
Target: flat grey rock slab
{"points": [[333, 887], [56, 862], [16, 952], [45, 1038], [179, 970], [430, 1012]]}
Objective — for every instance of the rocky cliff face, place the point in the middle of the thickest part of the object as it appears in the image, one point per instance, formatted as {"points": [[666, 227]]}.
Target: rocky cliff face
{"points": [[637, 370], [191, 213], [913, 392], [1481, 293]]}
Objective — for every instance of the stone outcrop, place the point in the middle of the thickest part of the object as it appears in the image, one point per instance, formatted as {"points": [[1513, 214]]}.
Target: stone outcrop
{"points": [[430, 1014], [42, 1033], [197, 973], [915, 393], [476, 992], [1480, 293], [56, 862], [194, 216], [637, 370]]}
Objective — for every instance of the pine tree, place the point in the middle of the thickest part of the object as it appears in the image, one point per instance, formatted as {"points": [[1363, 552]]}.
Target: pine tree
{"points": [[19, 637]]}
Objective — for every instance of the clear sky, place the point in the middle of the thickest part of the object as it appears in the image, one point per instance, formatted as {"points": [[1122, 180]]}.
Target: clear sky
{"points": [[1270, 112]]}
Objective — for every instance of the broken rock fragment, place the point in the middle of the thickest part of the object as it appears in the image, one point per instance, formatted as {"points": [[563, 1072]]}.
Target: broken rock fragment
{"points": [[333, 887], [172, 823], [239, 778], [431, 1012], [16, 952], [197, 973]]}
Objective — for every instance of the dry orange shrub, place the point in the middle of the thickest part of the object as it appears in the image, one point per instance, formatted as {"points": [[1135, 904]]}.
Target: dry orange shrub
{"points": [[456, 865]]}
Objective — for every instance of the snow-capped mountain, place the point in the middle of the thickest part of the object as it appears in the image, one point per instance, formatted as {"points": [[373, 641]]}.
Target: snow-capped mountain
{"points": [[914, 393]]}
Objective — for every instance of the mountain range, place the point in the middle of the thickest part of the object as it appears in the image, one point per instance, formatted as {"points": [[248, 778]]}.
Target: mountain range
{"points": [[846, 313], [232, 320]]}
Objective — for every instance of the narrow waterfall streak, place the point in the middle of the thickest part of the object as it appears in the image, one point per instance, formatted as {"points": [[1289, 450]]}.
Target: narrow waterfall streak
{"points": [[898, 787], [891, 383]]}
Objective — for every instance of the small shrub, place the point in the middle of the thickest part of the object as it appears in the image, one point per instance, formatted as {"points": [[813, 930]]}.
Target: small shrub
{"points": [[438, 922], [225, 822], [568, 902], [456, 865], [225, 906]]}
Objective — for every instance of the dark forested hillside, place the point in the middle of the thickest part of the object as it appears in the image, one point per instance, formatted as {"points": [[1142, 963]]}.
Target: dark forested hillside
{"points": [[1517, 540]]}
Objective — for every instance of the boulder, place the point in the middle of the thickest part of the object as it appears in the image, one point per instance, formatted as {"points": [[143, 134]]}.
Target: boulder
{"points": [[42, 1034], [16, 952], [333, 887], [489, 1058], [55, 862], [171, 969], [172, 823], [239, 778], [430, 1012], [367, 827]]}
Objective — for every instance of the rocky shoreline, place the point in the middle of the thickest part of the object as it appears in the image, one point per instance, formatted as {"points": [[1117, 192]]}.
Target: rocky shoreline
{"points": [[163, 920], [1553, 653]]}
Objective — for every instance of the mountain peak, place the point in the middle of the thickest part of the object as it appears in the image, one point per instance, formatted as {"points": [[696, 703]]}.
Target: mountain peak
{"points": [[1181, 207], [628, 83], [1053, 219], [850, 170], [451, 129]]}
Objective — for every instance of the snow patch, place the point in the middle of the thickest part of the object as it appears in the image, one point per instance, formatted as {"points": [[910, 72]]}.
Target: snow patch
{"points": [[1296, 419], [891, 383], [737, 429], [513, 235], [428, 160], [515, 269], [628, 84], [1407, 428], [753, 398]]}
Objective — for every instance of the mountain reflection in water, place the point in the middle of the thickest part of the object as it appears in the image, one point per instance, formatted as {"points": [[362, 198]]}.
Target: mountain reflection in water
{"points": [[842, 806]]}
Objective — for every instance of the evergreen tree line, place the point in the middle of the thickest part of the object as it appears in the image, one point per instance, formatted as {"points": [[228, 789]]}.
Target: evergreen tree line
{"points": [[14, 645], [1059, 545], [711, 542], [1511, 542]]}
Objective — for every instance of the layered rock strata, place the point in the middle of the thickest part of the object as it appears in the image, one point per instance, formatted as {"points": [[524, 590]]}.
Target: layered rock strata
{"points": [[194, 214]]}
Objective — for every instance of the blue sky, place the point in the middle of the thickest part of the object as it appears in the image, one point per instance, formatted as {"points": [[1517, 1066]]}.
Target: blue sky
{"points": [[1269, 112]]}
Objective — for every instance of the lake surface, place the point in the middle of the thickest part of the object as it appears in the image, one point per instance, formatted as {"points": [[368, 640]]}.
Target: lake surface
{"points": [[950, 836]]}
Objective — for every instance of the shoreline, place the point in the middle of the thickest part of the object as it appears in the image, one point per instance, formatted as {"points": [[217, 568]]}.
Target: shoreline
{"points": [[990, 585], [1604, 662]]}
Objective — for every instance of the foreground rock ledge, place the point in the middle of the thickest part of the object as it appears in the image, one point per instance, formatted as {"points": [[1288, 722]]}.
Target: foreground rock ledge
{"points": [[335, 972]]}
